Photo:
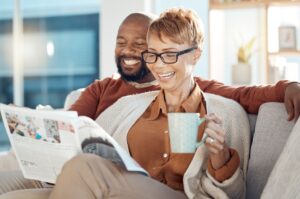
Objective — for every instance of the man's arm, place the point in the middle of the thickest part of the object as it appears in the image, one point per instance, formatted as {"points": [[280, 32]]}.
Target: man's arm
{"points": [[250, 97]]}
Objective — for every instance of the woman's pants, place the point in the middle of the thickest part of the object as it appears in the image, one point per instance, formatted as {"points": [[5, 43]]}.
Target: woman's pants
{"points": [[92, 177]]}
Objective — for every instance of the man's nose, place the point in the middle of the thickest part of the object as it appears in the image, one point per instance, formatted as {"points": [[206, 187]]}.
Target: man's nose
{"points": [[128, 49]]}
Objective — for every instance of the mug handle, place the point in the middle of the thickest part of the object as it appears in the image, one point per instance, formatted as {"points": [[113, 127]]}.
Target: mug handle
{"points": [[204, 137]]}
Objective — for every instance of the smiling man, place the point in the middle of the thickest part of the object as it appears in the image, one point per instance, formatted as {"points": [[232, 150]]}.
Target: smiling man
{"points": [[129, 45]]}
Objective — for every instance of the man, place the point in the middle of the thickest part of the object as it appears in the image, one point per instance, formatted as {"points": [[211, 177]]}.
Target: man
{"points": [[135, 78]]}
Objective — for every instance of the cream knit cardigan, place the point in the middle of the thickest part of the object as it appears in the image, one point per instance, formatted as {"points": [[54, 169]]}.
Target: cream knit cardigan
{"points": [[198, 183]]}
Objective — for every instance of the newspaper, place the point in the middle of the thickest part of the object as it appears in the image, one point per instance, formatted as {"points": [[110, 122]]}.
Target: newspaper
{"points": [[43, 140]]}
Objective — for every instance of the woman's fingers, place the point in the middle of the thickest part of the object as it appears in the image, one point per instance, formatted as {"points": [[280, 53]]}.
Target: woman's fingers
{"points": [[215, 141], [212, 149], [215, 136], [213, 117]]}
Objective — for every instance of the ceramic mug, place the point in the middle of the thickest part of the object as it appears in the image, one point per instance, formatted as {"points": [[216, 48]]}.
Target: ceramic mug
{"points": [[183, 130]]}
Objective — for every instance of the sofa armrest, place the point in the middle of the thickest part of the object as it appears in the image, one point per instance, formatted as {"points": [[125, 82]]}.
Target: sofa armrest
{"points": [[271, 132], [284, 180], [72, 97]]}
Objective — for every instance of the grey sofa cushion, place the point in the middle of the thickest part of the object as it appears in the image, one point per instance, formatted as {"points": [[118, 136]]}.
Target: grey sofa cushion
{"points": [[271, 132]]}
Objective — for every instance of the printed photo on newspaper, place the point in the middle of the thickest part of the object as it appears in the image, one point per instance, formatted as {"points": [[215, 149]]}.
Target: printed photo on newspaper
{"points": [[43, 140]]}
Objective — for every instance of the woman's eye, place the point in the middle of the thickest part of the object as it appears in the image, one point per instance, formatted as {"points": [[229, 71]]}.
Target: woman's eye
{"points": [[170, 55], [151, 55]]}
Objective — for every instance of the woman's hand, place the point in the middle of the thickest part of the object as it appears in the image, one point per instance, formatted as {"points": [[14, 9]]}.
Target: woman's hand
{"points": [[215, 142]]}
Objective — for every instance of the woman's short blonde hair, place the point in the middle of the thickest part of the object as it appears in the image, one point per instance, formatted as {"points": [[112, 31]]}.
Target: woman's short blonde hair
{"points": [[180, 26]]}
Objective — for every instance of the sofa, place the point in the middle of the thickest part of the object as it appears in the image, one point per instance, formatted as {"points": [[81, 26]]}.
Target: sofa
{"points": [[269, 132]]}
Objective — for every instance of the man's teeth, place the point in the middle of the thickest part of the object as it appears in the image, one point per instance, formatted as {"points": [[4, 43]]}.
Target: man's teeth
{"points": [[165, 75], [131, 61]]}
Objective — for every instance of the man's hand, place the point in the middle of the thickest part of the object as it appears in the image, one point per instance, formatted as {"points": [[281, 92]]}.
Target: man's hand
{"points": [[292, 101]]}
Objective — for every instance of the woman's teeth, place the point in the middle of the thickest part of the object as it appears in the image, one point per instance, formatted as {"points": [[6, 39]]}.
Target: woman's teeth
{"points": [[166, 75]]}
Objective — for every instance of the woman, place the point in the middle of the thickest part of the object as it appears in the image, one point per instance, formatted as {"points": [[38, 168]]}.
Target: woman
{"points": [[175, 42]]}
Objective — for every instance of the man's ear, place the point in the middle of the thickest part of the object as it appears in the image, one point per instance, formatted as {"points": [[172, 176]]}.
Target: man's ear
{"points": [[197, 55]]}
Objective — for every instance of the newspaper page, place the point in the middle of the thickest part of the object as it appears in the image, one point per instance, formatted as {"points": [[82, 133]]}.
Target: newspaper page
{"points": [[42, 140]]}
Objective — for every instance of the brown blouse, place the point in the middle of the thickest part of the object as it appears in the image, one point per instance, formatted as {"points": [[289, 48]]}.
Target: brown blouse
{"points": [[149, 144]]}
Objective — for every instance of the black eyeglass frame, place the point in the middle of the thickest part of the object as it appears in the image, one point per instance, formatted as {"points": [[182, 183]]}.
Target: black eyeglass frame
{"points": [[162, 59]]}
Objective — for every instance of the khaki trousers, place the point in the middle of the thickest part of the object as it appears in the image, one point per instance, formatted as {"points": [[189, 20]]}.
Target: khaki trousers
{"points": [[91, 177]]}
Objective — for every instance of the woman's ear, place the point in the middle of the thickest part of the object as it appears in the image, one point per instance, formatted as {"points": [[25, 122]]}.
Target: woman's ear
{"points": [[197, 55]]}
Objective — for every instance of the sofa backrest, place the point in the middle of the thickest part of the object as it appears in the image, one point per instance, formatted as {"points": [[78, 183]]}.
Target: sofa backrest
{"points": [[271, 133]]}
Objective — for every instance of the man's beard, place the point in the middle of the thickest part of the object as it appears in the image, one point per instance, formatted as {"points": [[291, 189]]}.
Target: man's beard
{"points": [[139, 75]]}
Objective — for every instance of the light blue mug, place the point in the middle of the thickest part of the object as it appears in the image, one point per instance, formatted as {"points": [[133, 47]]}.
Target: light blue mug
{"points": [[183, 130]]}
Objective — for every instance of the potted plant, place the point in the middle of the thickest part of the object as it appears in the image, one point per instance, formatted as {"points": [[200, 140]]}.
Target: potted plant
{"points": [[245, 51], [241, 72]]}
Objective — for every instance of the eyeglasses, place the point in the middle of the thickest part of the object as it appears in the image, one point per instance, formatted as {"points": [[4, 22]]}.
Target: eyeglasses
{"points": [[166, 57]]}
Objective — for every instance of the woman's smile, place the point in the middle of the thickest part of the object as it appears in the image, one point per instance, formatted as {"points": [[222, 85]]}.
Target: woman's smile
{"points": [[165, 76]]}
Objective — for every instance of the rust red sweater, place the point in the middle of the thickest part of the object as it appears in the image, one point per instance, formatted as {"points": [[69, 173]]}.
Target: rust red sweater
{"points": [[102, 93]]}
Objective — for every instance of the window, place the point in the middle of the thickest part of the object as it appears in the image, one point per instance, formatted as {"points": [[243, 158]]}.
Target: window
{"points": [[60, 51], [60, 55], [6, 80]]}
